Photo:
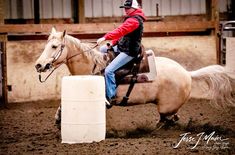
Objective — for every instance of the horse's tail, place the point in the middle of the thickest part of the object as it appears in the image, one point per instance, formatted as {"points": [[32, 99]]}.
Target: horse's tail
{"points": [[219, 85]]}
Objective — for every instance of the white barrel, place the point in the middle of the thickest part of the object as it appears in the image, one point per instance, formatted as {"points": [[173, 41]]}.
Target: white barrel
{"points": [[230, 56], [83, 109]]}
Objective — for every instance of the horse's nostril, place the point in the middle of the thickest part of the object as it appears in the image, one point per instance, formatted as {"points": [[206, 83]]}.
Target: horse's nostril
{"points": [[48, 66], [38, 66]]}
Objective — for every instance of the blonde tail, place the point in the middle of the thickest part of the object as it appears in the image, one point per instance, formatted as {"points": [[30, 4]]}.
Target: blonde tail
{"points": [[219, 85]]}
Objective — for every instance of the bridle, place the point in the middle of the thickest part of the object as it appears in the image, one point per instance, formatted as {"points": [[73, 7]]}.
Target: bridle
{"points": [[57, 56]]}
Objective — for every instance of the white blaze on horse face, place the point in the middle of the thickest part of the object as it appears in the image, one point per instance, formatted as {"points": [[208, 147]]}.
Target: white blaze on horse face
{"points": [[46, 58], [51, 50]]}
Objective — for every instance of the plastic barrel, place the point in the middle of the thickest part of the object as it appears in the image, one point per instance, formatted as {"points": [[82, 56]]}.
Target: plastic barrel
{"points": [[83, 109]]}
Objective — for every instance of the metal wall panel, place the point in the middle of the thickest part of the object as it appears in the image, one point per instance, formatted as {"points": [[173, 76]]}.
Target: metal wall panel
{"points": [[67, 8], [185, 7], [28, 9], [46, 9], [174, 7], [57, 9], [106, 8], [203, 6], [103, 8], [149, 7], [13, 6], [115, 8], [166, 7], [198, 7], [195, 7], [88, 5], [97, 8]]}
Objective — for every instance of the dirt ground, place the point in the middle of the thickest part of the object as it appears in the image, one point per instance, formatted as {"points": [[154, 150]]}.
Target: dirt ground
{"points": [[28, 128]]}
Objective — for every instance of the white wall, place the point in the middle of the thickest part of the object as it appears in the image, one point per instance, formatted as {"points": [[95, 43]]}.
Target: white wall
{"points": [[22, 75], [192, 52], [48, 9]]}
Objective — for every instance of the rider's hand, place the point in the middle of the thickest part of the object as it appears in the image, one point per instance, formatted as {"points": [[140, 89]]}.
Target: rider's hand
{"points": [[100, 40], [109, 45]]}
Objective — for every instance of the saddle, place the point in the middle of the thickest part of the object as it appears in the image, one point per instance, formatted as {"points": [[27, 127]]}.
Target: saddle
{"points": [[143, 67], [140, 70]]}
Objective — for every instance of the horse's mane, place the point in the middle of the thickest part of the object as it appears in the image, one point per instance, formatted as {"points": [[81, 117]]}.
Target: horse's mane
{"points": [[87, 48]]}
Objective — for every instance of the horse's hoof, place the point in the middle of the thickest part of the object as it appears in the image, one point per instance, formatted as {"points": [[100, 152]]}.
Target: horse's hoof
{"points": [[108, 106], [58, 124]]}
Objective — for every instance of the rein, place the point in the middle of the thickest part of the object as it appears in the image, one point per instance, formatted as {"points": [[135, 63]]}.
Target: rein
{"points": [[56, 57]]}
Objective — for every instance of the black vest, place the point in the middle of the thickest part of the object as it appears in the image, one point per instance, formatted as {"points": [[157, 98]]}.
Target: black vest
{"points": [[131, 43]]}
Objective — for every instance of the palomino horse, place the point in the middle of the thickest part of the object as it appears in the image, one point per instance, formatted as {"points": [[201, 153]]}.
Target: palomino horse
{"points": [[170, 90]]}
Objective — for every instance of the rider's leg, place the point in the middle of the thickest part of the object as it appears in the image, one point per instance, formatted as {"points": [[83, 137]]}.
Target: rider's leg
{"points": [[110, 81]]}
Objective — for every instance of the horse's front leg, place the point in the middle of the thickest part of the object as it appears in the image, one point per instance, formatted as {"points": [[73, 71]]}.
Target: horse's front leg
{"points": [[58, 117]]}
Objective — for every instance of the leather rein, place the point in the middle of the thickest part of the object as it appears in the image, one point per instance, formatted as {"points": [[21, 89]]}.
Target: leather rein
{"points": [[57, 56]]}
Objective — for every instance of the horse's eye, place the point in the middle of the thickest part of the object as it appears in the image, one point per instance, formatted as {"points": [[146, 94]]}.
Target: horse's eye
{"points": [[53, 46]]}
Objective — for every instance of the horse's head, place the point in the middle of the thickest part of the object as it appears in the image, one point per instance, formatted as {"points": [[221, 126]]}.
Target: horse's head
{"points": [[54, 52]]}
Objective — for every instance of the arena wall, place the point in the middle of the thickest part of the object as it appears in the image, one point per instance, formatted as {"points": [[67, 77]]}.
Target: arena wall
{"points": [[192, 52]]}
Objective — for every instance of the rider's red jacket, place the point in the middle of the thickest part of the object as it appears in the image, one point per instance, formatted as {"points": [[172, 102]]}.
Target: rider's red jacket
{"points": [[126, 27]]}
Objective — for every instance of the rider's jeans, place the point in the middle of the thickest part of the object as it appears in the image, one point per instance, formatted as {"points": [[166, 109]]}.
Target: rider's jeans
{"points": [[109, 73]]}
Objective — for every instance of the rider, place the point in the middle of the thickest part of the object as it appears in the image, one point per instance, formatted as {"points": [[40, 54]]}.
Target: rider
{"points": [[126, 40]]}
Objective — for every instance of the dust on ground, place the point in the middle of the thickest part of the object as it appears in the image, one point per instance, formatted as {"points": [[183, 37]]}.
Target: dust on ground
{"points": [[28, 128]]}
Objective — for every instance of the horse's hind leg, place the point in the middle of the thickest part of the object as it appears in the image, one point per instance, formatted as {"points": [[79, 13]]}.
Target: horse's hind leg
{"points": [[58, 117]]}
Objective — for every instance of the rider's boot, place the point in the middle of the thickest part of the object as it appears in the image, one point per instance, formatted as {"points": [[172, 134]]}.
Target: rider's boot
{"points": [[110, 102]]}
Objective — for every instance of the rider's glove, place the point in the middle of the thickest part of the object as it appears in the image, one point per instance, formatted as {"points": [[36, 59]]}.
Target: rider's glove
{"points": [[100, 40], [110, 47]]}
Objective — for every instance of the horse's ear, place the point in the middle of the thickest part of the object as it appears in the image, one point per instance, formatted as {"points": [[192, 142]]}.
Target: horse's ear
{"points": [[53, 30], [64, 33]]}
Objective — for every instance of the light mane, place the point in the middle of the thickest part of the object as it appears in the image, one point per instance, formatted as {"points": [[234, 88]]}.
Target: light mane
{"points": [[96, 56]]}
